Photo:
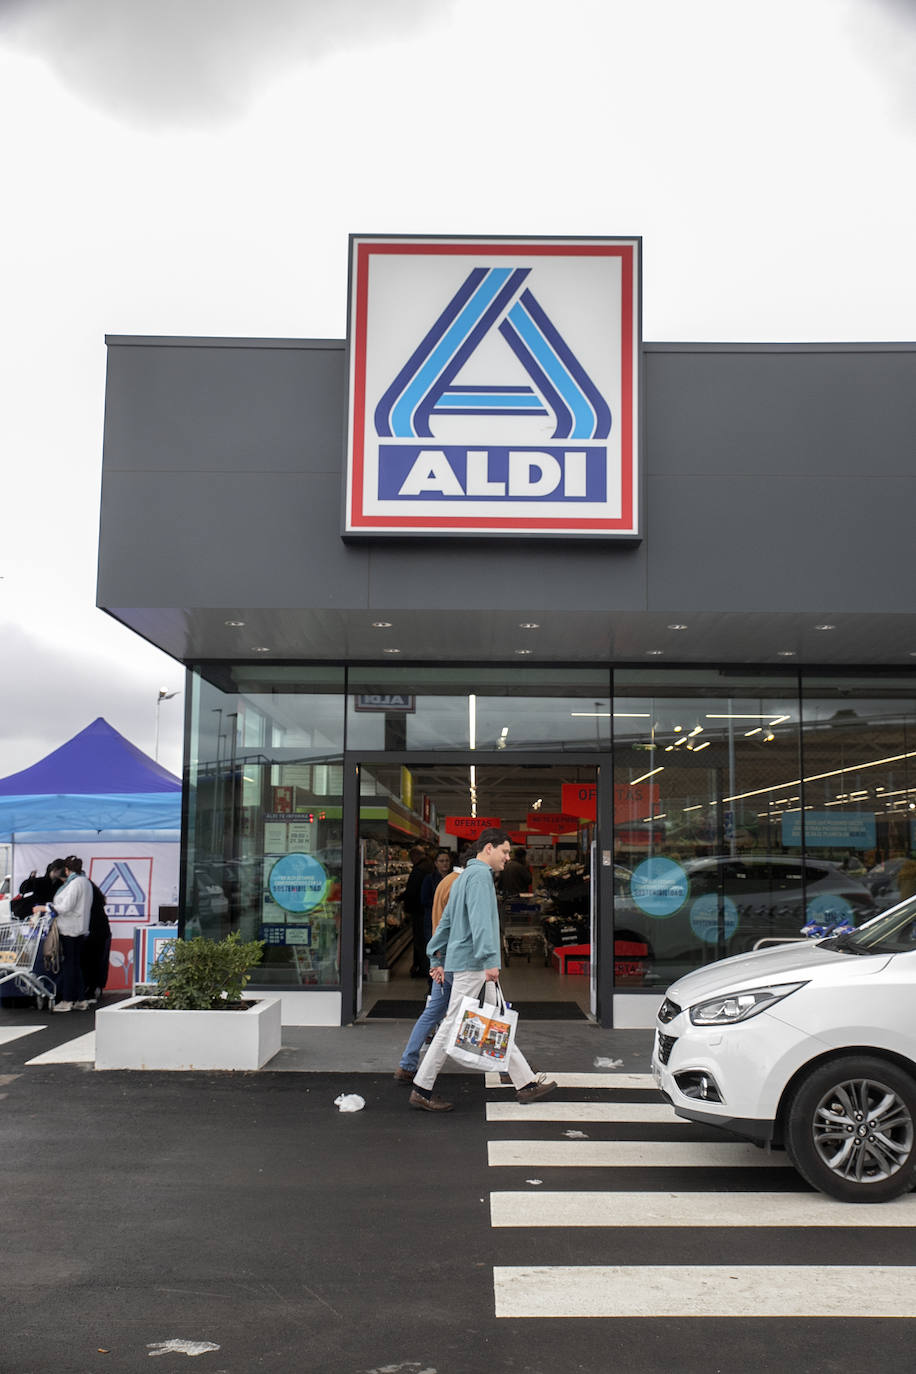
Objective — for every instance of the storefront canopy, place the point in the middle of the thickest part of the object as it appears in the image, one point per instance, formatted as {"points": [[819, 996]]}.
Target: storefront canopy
{"points": [[97, 781]]}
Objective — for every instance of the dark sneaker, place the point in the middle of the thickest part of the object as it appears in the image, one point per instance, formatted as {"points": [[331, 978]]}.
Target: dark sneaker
{"points": [[541, 1087], [430, 1104], [402, 1075]]}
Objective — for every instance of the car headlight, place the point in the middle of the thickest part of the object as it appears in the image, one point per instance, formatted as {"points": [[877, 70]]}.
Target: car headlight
{"points": [[740, 1006]]}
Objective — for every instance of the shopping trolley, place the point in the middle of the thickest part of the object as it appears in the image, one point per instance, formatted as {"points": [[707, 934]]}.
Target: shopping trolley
{"points": [[20, 943]]}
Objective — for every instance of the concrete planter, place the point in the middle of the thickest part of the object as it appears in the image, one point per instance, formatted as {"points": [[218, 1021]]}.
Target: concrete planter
{"points": [[127, 1036]]}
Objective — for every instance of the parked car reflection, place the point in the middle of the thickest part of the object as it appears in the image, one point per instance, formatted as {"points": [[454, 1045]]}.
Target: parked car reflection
{"points": [[727, 903]]}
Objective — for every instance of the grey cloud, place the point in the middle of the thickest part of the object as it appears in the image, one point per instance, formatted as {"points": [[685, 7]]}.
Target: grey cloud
{"points": [[183, 62]]}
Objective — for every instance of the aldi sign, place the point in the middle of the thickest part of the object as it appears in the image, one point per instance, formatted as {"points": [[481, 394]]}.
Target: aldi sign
{"points": [[493, 387]]}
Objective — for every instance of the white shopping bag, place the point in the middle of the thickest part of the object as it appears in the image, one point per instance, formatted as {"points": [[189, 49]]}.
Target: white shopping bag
{"points": [[485, 1032]]}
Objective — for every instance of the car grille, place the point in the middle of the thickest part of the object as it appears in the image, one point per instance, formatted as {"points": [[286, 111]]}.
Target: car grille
{"points": [[666, 1044], [668, 1010]]}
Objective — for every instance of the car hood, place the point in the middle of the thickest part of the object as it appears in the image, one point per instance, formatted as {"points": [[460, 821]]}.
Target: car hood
{"points": [[785, 964]]}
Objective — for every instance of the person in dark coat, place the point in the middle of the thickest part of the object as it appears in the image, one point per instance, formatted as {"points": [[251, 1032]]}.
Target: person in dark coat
{"points": [[412, 902], [37, 891], [96, 947]]}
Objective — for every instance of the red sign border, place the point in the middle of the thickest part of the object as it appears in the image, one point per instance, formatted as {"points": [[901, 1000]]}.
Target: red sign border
{"points": [[357, 520]]}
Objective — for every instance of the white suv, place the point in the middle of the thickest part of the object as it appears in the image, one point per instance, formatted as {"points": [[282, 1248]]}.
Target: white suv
{"points": [[809, 1046]]}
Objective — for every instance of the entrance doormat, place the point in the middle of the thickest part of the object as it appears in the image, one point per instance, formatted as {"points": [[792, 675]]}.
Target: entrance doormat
{"points": [[392, 1010]]}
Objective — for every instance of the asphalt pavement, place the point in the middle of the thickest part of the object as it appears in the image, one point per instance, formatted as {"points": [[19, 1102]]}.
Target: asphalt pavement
{"points": [[243, 1221]]}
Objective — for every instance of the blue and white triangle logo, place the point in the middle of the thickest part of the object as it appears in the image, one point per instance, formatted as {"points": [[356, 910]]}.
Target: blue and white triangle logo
{"points": [[508, 404]]}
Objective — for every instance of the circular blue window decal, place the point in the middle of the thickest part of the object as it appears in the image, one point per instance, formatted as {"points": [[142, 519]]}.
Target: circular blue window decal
{"points": [[830, 908], [298, 882], [704, 918], [659, 887]]}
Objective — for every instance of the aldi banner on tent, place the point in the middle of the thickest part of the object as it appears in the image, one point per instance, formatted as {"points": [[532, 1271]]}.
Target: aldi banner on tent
{"points": [[137, 879]]}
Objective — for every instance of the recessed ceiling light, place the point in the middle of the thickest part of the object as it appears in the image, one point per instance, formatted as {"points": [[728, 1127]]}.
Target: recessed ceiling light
{"points": [[786, 653], [523, 651], [259, 649], [381, 624], [825, 627], [235, 624], [529, 625], [654, 653], [391, 651], [677, 627]]}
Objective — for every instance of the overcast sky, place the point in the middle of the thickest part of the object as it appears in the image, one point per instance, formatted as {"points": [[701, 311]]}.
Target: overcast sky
{"points": [[195, 166]]}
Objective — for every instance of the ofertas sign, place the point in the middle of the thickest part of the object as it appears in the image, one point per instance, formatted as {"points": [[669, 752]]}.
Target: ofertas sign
{"points": [[493, 387], [632, 802], [469, 827]]}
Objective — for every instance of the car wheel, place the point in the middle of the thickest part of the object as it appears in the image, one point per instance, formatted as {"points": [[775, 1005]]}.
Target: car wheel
{"points": [[851, 1129]]}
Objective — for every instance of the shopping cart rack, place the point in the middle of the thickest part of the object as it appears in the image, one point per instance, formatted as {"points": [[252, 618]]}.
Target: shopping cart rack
{"points": [[20, 943]]}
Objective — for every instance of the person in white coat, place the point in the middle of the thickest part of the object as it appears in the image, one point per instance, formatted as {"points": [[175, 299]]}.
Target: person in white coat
{"points": [[72, 904]]}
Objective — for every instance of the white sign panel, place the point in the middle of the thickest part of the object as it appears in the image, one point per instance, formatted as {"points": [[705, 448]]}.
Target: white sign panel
{"points": [[493, 387]]}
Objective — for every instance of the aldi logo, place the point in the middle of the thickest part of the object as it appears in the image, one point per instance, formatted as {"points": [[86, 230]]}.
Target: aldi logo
{"points": [[493, 387]]}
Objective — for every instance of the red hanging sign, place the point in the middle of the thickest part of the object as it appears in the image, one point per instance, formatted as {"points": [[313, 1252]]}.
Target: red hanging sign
{"points": [[631, 802], [469, 827], [551, 823]]}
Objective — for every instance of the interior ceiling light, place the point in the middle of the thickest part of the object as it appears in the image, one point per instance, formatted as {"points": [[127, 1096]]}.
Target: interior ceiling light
{"points": [[523, 651], [391, 651], [654, 653], [825, 627], [381, 624], [529, 625], [234, 624], [677, 627], [259, 649], [786, 653]]}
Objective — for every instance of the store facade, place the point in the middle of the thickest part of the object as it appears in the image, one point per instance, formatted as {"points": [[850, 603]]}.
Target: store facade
{"points": [[697, 713]]}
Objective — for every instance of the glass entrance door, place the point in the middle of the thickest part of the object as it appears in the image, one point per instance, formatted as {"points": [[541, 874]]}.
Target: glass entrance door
{"points": [[412, 811]]}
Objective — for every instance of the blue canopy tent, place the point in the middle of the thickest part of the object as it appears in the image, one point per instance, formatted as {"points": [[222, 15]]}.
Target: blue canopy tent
{"points": [[98, 784]]}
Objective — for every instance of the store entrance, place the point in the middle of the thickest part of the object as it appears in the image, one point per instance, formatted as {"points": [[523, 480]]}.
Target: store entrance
{"points": [[411, 811]]}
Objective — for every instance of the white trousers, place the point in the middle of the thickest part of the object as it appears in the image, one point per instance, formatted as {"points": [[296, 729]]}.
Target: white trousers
{"points": [[466, 985]]}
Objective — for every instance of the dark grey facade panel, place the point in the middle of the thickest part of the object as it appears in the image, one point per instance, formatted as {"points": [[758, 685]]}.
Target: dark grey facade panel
{"points": [[778, 480], [779, 414]]}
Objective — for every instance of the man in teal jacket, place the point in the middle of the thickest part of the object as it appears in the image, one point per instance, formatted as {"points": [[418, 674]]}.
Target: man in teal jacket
{"points": [[466, 944]]}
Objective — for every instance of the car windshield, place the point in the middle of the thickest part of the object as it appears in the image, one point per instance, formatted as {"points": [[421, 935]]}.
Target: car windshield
{"points": [[893, 932]]}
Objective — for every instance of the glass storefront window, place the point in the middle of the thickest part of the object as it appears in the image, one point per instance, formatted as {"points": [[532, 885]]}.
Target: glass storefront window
{"points": [[264, 823], [704, 865], [478, 708], [859, 743]]}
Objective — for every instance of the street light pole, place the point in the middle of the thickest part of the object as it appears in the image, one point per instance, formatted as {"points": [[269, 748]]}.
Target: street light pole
{"points": [[163, 696]]}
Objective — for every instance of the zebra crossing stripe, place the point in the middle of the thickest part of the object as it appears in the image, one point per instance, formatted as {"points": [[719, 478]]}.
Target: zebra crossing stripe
{"points": [[643, 1113], [587, 1080], [694, 1209], [621, 1154], [705, 1291]]}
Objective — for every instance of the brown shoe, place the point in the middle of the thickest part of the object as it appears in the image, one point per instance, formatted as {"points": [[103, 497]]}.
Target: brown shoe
{"points": [[539, 1088], [430, 1104], [402, 1075]]}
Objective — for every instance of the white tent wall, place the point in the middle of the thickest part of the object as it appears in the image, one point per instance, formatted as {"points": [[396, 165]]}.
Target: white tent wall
{"points": [[137, 876]]}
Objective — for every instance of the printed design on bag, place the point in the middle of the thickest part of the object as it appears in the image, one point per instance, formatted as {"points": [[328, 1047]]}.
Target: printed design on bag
{"points": [[483, 1035]]}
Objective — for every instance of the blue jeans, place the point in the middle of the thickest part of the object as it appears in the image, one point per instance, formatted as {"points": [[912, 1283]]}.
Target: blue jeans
{"points": [[426, 1023]]}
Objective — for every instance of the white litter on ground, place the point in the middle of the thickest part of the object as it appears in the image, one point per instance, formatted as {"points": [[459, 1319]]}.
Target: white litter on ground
{"points": [[350, 1102], [576, 1135], [608, 1063], [174, 1347]]}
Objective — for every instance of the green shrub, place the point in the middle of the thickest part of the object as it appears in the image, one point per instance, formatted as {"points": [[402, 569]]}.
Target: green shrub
{"points": [[204, 975]]}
